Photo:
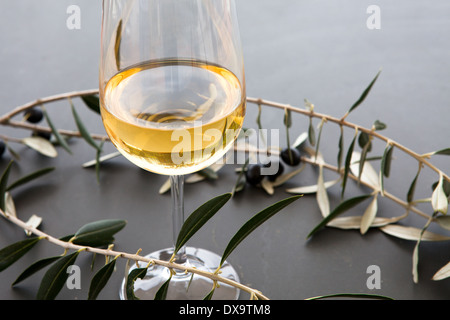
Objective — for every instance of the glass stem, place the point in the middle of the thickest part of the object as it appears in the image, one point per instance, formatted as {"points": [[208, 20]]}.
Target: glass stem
{"points": [[177, 188]]}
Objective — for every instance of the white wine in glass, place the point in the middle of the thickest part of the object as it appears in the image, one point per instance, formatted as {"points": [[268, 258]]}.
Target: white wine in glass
{"points": [[172, 95]]}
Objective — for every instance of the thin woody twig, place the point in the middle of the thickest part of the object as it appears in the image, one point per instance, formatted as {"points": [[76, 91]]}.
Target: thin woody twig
{"points": [[108, 252]]}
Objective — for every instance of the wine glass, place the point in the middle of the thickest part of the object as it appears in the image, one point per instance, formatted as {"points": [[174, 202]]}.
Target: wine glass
{"points": [[172, 95]]}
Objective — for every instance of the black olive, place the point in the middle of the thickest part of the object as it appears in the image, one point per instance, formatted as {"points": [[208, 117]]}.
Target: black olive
{"points": [[42, 134], [293, 159], [34, 115], [253, 174], [2, 148], [280, 169]]}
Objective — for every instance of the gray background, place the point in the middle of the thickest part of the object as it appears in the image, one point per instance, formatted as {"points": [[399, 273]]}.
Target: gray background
{"points": [[319, 50]]}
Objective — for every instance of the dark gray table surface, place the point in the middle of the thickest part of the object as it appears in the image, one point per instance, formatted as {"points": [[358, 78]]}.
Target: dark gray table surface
{"points": [[294, 49]]}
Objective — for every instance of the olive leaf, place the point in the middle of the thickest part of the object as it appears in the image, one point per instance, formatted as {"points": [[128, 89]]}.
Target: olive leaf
{"points": [[443, 221], [131, 278], [62, 142], [100, 279], [348, 159], [445, 186], [98, 233], [210, 294], [55, 277], [255, 222], [103, 158], [15, 251], [412, 187], [341, 208], [35, 267], [92, 102], [386, 165], [240, 181], [3, 185], [29, 177], [311, 133], [98, 160], [83, 131], [299, 140], [368, 175], [312, 188], [321, 195], [442, 273], [198, 218], [41, 145], [340, 147], [161, 294], [445, 152], [363, 95], [366, 144], [351, 295], [369, 215], [320, 127], [354, 222], [439, 199], [412, 233], [378, 125]]}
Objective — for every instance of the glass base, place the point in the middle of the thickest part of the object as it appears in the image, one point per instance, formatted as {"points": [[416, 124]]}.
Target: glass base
{"points": [[184, 286]]}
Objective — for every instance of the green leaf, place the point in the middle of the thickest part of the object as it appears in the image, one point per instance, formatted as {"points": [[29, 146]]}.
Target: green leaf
{"points": [[132, 277], [35, 267], [198, 218], [162, 291], [56, 277], [83, 131], [98, 160], [287, 118], [341, 148], [352, 295], [378, 125], [98, 233], [100, 279], [366, 145], [445, 152], [364, 139], [92, 102], [311, 133], [386, 165], [255, 222], [56, 133], [210, 294], [364, 94], [30, 177], [348, 159], [3, 185], [386, 160], [412, 187], [15, 251], [341, 208]]}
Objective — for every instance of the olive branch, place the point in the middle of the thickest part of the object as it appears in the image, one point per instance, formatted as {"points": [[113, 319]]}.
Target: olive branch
{"points": [[351, 164]]}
